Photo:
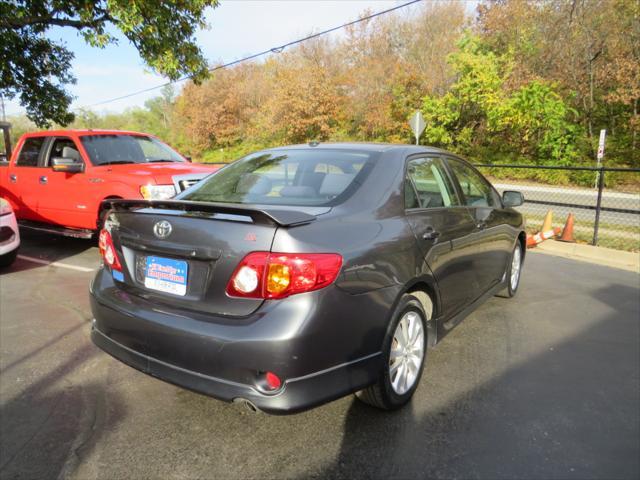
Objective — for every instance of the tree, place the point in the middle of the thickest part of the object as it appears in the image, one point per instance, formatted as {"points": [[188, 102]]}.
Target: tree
{"points": [[37, 69], [482, 110]]}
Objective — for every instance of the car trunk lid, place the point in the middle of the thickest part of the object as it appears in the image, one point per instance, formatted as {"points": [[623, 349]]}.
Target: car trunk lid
{"points": [[182, 254]]}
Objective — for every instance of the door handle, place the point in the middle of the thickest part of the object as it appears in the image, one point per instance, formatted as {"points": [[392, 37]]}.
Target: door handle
{"points": [[43, 180], [13, 178], [430, 234]]}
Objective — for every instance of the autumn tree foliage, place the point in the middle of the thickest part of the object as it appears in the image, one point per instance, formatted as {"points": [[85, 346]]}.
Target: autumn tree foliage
{"points": [[514, 81], [362, 86]]}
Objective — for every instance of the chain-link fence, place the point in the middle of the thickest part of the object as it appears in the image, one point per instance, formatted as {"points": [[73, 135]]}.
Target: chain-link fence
{"points": [[606, 214]]}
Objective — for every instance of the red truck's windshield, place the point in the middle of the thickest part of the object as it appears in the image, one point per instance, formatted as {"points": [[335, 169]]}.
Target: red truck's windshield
{"points": [[114, 149]]}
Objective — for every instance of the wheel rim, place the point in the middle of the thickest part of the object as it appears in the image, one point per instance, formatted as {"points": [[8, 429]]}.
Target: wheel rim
{"points": [[407, 353], [515, 268]]}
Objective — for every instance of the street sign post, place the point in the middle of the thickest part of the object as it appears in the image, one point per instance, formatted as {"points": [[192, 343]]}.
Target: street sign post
{"points": [[600, 155], [603, 135], [417, 124]]}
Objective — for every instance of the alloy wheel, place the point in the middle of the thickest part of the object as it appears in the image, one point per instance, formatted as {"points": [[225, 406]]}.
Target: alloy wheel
{"points": [[407, 353], [515, 268]]}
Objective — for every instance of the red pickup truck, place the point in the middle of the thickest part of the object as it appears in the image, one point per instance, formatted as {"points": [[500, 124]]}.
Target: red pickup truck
{"points": [[56, 180]]}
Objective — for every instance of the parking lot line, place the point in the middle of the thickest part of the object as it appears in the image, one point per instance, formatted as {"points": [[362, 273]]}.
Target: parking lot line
{"points": [[55, 264]]}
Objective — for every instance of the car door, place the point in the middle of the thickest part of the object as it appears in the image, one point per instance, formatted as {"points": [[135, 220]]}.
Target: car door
{"points": [[24, 177], [443, 228], [491, 239], [64, 198]]}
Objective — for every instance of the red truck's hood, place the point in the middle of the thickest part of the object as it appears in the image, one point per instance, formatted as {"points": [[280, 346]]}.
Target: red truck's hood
{"points": [[160, 173]]}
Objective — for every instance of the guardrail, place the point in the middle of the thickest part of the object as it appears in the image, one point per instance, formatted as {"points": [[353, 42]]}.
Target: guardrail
{"points": [[610, 217]]}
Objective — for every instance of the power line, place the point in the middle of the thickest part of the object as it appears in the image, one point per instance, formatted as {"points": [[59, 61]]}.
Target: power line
{"points": [[260, 54]]}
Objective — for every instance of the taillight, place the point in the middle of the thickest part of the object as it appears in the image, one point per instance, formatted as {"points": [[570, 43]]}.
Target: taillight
{"points": [[278, 275], [108, 251]]}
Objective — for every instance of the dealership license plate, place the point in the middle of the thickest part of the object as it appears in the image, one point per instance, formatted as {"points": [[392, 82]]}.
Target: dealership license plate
{"points": [[166, 275]]}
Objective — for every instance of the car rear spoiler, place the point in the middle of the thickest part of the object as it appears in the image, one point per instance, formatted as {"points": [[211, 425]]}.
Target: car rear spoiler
{"points": [[281, 217]]}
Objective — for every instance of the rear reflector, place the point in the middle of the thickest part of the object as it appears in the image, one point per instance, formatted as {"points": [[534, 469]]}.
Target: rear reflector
{"points": [[278, 275], [273, 382]]}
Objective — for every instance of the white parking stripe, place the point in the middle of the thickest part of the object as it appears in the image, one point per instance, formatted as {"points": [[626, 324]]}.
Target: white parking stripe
{"points": [[55, 264]]}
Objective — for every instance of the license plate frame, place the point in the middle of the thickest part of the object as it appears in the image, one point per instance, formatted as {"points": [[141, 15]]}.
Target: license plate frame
{"points": [[166, 275]]}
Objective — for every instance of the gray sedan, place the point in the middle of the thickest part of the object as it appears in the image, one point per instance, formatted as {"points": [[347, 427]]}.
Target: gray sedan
{"points": [[301, 274]]}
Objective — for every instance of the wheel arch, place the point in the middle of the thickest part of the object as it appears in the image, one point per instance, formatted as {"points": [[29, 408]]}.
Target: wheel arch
{"points": [[424, 289], [101, 210]]}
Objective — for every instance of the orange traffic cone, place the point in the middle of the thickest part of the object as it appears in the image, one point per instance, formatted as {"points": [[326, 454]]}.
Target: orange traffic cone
{"points": [[547, 225], [541, 237], [567, 231]]}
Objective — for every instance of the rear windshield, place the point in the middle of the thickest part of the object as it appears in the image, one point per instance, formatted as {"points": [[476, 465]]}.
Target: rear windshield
{"points": [[114, 149], [286, 177]]}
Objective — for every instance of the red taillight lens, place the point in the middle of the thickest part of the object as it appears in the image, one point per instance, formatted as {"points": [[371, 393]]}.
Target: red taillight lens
{"points": [[108, 251], [278, 275]]}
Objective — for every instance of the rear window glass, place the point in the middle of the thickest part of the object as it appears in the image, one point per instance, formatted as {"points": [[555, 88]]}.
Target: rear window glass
{"points": [[286, 177]]}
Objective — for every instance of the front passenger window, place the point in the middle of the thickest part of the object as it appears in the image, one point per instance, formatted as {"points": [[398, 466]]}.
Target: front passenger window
{"points": [[476, 190], [427, 185]]}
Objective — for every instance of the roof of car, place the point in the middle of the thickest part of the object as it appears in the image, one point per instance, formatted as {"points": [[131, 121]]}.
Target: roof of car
{"points": [[76, 131], [362, 146]]}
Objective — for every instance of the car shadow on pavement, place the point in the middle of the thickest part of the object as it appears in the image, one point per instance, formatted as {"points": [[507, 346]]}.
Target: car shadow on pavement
{"points": [[570, 411], [50, 424]]}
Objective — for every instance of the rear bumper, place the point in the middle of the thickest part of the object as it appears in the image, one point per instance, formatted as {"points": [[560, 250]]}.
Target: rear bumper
{"points": [[316, 345], [297, 394], [9, 234]]}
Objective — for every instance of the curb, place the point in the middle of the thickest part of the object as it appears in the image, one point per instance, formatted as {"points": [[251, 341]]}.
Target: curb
{"points": [[608, 257]]}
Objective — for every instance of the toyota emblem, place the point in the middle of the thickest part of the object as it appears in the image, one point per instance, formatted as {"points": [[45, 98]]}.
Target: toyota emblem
{"points": [[162, 229]]}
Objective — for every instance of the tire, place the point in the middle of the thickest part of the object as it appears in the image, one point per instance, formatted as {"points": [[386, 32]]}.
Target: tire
{"points": [[388, 392], [102, 216], [8, 258], [512, 286]]}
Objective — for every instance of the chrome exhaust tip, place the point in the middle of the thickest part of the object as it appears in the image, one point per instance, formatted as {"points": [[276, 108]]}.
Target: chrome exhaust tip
{"points": [[243, 402]]}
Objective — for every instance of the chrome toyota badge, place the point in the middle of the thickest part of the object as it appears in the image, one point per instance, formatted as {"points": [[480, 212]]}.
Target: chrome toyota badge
{"points": [[162, 229]]}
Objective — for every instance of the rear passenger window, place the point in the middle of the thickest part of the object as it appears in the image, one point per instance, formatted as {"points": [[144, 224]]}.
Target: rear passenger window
{"points": [[30, 152], [427, 185], [476, 190]]}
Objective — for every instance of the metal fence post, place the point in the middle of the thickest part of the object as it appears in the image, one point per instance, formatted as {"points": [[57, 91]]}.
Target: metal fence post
{"points": [[596, 224]]}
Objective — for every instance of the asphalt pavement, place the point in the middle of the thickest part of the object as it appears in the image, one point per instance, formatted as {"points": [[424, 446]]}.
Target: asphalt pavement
{"points": [[545, 385]]}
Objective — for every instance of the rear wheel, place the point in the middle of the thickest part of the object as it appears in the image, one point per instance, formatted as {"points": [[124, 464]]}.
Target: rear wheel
{"points": [[404, 352]]}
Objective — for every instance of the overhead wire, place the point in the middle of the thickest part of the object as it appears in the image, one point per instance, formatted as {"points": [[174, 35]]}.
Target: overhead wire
{"points": [[278, 49]]}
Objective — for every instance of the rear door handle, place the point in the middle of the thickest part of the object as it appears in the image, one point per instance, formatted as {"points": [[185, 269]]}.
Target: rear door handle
{"points": [[430, 234], [13, 178], [43, 180]]}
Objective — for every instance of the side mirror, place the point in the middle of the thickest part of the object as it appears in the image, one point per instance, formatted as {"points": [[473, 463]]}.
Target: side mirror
{"points": [[67, 165], [188, 158], [512, 199]]}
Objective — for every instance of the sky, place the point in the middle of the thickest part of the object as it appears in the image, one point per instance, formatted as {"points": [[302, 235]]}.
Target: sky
{"points": [[237, 28]]}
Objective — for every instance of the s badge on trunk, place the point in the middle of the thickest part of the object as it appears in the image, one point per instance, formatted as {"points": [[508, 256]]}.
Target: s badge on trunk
{"points": [[162, 229]]}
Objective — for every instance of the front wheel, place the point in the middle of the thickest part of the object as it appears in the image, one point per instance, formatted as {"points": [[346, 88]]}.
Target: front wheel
{"points": [[514, 271], [404, 352], [8, 258]]}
